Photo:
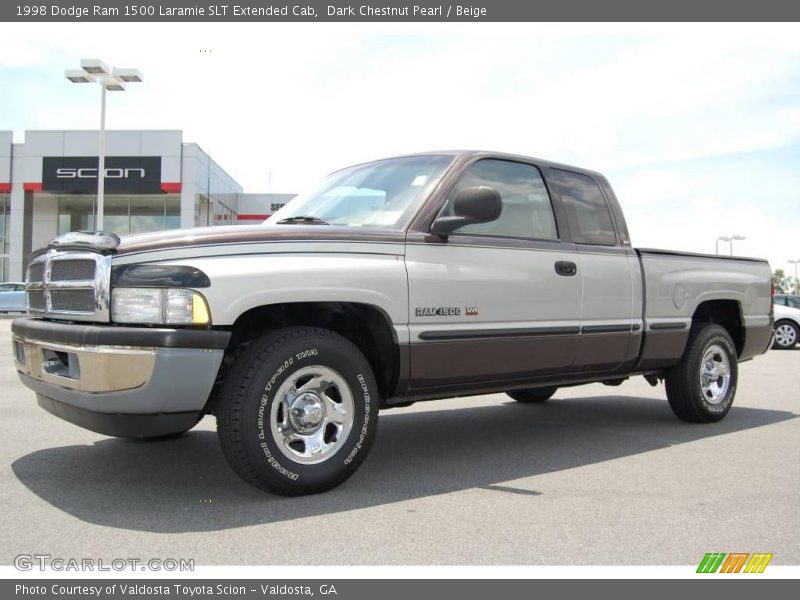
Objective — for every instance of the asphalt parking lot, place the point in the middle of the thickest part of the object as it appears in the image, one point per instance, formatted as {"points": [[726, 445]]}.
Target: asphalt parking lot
{"points": [[599, 475]]}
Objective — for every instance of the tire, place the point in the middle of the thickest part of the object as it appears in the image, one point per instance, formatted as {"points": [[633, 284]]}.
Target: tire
{"points": [[786, 335], [693, 393], [532, 395], [293, 443]]}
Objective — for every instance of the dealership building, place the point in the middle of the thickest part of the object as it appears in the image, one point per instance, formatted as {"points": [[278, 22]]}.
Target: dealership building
{"points": [[153, 181]]}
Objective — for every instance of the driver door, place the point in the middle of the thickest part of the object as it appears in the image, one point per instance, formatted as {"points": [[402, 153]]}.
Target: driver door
{"points": [[497, 301]]}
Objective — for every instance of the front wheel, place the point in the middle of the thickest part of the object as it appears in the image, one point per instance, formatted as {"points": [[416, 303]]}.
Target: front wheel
{"points": [[298, 411], [786, 335], [701, 387]]}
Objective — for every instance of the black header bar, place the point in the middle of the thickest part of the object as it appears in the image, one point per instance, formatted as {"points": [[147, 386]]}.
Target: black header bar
{"points": [[399, 11]]}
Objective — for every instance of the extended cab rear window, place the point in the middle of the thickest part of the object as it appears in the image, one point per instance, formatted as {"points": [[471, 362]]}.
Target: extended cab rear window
{"points": [[587, 212]]}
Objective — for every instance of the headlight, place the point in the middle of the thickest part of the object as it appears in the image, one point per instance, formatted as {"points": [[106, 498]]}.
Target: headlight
{"points": [[159, 306]]}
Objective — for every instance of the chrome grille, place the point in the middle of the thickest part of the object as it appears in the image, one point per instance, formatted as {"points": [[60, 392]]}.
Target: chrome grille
{"points": [[36, 300], [36, 272], [72, 270], [72, 301], [69, 284]]}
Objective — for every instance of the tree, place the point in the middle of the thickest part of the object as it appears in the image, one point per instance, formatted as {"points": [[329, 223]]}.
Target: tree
{"points": [[783, 283]]}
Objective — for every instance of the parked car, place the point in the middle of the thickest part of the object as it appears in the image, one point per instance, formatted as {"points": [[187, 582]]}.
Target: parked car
{"points": [[413, 278], [12, 297], [787, 327], [787, 300]]}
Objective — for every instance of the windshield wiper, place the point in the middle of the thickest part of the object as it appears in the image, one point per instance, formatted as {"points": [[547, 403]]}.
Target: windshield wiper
{"points": [[302, 219]]}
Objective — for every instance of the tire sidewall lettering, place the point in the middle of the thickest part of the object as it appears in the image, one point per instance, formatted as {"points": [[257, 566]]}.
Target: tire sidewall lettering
{"points": [[365, 425], [260, 420]]}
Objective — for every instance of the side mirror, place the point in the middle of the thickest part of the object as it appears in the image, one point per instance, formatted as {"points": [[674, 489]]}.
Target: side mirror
{"points": [[476, 204]]}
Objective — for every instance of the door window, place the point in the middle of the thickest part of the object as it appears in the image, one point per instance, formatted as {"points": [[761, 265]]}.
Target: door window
{"points": [[527, 211]]}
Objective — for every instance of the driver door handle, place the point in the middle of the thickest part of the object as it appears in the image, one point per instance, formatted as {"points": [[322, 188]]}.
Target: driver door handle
{"points": [[566, 268]]}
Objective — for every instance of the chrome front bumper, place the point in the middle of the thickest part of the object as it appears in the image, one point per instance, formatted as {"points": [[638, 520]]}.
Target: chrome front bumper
{"points": [[86, 368], [129, 381]]}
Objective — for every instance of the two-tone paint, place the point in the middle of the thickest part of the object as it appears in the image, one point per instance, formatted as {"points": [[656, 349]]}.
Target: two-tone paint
{"points": [[622, 311]]}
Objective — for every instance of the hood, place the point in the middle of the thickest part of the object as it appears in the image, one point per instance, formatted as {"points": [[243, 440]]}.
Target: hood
{"points": [[245, 234]]}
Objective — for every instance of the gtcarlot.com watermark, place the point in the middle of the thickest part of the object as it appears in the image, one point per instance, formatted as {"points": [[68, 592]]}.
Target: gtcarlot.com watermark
{"points": [[48, 562]]}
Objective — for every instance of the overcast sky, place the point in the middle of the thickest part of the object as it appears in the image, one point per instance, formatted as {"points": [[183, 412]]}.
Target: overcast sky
{"points": [[697, 127]]}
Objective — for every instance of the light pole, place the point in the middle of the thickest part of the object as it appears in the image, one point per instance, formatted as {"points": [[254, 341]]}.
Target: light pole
{"points": [[796, 283], [729, 239], [736, 237], [112, 80]]}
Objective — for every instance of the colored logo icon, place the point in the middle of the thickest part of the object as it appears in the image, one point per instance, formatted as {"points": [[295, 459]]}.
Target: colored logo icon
{"points": [[734, 562]]}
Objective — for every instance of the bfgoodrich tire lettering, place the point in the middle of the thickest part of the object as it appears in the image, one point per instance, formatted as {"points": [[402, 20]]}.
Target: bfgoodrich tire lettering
{"points": [[701, 388], [282, 439]]}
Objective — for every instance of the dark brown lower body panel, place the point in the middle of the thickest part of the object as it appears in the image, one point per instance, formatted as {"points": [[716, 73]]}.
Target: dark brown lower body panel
{"points": [[482, 365], [606, 351], [560, 379], [757, 340], [662, 349], [467, 367], [479, 359]]}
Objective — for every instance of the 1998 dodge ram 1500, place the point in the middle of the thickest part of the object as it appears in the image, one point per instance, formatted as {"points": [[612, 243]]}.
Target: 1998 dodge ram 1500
{"points": [[413, 278]]}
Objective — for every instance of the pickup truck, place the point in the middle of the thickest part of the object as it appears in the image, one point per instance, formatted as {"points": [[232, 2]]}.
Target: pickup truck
{"points": [[420, 277]]}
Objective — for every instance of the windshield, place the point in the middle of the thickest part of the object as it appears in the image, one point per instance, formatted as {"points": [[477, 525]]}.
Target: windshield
{"points": [[383, 194]]}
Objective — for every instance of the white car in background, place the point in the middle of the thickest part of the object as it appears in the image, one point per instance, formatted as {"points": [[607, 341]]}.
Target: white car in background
{"points": [[12, 297], [787, 327]]}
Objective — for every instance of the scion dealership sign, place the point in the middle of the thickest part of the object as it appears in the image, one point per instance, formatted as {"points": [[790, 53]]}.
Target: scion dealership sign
{"points": [[123, 174]]}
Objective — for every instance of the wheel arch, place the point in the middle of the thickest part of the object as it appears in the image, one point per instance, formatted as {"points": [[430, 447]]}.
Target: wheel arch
{"points": [[724, 312], [367, 326], [792, 318]]}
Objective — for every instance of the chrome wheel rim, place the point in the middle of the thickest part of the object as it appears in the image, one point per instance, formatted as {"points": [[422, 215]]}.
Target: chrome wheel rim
{"points": [[312, 415], [715, 374], [785, 335]]}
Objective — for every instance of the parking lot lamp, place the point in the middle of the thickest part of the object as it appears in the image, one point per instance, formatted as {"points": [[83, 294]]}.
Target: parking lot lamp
{"points": [[113, 80]]}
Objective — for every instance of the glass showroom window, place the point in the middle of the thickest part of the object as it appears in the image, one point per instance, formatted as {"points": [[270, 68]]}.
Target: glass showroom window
{"points": [[222, 214], [5, 224], [75, 213], [123, 213], [172, 211], [117, 214]]}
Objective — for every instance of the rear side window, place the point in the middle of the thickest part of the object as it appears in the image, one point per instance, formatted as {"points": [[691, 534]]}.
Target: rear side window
{"points": [[587, 212], [527, 211]]}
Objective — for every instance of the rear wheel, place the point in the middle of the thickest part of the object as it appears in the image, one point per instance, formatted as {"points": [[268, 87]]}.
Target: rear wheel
{"points": [[298, 411], [701, 388], [532, 395], [786, 335]]}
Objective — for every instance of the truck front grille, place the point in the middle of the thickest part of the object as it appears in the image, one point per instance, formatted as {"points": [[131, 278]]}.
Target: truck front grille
{"points": [[72, 270], [36, 300], [72, 301], [36, 272], [70, 285]]}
